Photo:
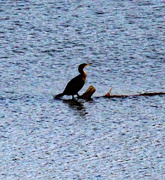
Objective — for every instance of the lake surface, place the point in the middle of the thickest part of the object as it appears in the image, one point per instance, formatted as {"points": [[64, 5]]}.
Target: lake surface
{"points": [[41, 45]]}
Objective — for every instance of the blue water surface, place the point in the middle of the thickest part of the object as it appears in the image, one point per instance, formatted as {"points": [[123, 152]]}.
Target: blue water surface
{"points": [[41, 45]]}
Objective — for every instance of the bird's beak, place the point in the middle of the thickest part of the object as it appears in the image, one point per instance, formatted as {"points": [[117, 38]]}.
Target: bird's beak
{"points": [[88, 64]]}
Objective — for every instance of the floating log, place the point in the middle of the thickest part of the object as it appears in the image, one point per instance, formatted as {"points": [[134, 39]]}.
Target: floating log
{"points": [[89, 92]]}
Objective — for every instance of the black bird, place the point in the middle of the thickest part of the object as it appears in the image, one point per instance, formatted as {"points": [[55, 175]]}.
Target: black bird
{"points": [[75, 84]]}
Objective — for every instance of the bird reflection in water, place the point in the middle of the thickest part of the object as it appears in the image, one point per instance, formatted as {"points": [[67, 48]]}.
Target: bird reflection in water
{"points": [[75, 85], [76, 105]]}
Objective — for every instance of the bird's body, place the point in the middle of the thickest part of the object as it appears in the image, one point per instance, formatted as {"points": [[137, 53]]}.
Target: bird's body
{"points": [[75, 84]]}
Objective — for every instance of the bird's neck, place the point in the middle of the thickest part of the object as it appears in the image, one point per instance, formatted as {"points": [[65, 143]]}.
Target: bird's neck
{"points": [[83, 73]]}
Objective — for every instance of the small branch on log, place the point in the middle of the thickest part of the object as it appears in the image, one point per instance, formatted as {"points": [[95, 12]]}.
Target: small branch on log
{"points": [[109, 93]]}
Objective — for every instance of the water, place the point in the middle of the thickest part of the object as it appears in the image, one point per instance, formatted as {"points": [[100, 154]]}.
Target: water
{"points": [[41, 45]]}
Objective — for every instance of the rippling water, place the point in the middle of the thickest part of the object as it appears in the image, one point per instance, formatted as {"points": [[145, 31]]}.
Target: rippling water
{"points": [[41, 45]]}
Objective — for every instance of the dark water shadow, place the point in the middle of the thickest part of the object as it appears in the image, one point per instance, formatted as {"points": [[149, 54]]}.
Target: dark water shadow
{"points": [[77, 106]]}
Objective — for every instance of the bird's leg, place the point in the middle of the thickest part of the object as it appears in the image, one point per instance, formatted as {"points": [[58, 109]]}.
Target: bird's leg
{"points": [[78, 95]]}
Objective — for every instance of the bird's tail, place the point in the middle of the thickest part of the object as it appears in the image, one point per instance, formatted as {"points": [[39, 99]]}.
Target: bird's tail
{"points": [[58, 96]]}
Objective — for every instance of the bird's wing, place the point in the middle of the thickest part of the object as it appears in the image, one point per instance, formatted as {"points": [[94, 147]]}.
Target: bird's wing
{"points": [[74, 85]]}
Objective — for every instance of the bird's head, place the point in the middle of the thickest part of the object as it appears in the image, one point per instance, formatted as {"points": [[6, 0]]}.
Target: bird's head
{"points": [[82, 66]]}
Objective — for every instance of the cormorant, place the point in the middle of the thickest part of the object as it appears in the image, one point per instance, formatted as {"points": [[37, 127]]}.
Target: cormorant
{"points": [[75, 84]]}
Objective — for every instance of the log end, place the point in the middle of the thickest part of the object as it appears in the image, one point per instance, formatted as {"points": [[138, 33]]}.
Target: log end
{"points": [[89, 92]]}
